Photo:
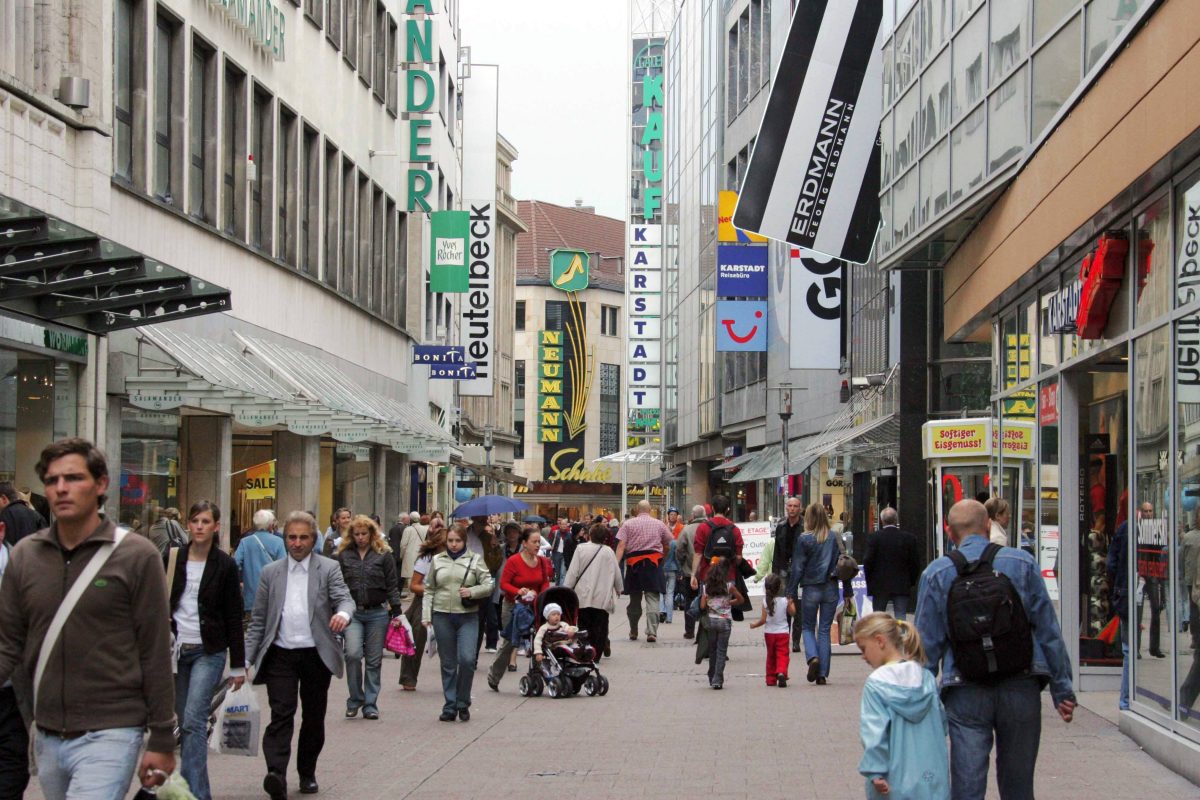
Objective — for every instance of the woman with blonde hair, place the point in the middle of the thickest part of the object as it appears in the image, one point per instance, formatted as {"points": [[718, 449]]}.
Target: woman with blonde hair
{"points": [[814, 561], [901, 723], [374, 582]]}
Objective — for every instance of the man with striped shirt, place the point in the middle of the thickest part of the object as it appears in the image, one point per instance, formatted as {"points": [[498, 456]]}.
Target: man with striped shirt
{"points": [[641, 542]]}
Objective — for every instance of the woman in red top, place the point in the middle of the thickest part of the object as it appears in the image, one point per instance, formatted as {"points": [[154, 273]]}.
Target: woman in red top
{"points": [[524, 577]]}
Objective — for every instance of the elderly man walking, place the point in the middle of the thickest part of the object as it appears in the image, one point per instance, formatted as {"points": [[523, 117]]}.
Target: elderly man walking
{"points": [[253, 553], [642, 541], [303, 603], [993, 692], [892, 565]]}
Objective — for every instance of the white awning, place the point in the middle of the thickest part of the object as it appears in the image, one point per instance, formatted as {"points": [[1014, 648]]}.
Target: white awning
{"points": [[642, 454]]}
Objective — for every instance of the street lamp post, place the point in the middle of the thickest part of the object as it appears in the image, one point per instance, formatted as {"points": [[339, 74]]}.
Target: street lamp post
{"points": [[487, 452]]}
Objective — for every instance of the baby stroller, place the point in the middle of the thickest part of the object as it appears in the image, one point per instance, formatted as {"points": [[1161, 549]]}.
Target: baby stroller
{"points": [[567, 667]]}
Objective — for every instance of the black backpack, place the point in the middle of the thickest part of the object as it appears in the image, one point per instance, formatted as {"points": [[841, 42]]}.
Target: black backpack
{"points": [[720, 542], [986, 621]]}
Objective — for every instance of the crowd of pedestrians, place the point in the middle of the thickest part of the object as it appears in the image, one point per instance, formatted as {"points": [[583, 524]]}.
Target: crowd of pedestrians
{"points": [[294, 607]]}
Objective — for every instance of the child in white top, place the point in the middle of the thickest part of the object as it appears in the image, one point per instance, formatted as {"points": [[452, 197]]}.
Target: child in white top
{"points": [[775, 613], [553, 625]]}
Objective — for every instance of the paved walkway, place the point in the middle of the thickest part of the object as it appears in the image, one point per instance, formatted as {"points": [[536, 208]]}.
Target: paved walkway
{"points": [[660, 732]]}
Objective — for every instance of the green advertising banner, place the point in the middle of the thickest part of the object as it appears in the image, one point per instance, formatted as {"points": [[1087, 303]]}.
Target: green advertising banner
{"points": [[569, 270], [448, 270]]}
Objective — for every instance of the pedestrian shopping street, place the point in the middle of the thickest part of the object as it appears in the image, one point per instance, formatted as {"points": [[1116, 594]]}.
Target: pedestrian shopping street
{"points": [[660, 732]]}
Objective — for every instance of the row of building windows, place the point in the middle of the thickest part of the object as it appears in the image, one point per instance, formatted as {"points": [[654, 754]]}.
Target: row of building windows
{"points": [[608, 317], [748, 57], [254, 169]]}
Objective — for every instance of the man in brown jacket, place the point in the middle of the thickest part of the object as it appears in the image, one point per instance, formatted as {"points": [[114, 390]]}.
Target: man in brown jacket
{"points": [[109, 673]]}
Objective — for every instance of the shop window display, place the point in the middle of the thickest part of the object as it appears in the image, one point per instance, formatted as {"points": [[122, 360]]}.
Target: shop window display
{"points": [[1103, 491], [149, 465], [1150, 521], [1187, 512], [1152, 261]]}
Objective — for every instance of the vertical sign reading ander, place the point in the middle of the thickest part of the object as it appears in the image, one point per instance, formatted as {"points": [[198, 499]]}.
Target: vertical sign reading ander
{"points": [[643, 291]]}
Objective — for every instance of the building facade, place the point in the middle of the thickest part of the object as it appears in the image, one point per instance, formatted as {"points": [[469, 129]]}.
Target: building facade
{"points": [[1043, 158], [290, 155], [569, 315]]}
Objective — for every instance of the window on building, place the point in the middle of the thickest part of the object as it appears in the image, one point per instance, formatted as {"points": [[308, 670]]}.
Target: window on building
{"points": [[519, 447], [309, 192], [401, 282], [333, 177], [608, 320], [379, 81], [366, 219], [346, 278], [167, 98], [556, 313], [393, 73], [365, 25], [743, 60], [731, 73], [610, 409], [378, 223], [314, 10], [127, 80], [233, 168], [519, 320], [202, 145], [519, 379], [350, 37], [261, 146], [285, 189], [333, 23], [389, 298]]}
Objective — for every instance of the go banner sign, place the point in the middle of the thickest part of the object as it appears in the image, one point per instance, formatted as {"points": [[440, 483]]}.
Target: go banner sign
{"points": [[448, 270]]}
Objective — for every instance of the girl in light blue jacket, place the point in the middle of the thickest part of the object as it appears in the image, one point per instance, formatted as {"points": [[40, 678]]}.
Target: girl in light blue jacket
{"points": [[902, 722]]}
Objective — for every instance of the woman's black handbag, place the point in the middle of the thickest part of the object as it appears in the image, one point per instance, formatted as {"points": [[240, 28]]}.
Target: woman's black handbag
{"points": [[469, 603]]}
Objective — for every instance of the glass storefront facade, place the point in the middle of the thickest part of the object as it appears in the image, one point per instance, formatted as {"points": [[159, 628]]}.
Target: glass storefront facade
{"points": [[1116, 409]]}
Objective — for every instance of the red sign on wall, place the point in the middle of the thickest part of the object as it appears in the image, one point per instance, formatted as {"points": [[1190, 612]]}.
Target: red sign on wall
{"points": [[1048, 404]]}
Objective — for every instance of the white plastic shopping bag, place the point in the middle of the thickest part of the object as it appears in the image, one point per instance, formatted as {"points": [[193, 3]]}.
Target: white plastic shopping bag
{"points": [[430, 645], [238, 725]]}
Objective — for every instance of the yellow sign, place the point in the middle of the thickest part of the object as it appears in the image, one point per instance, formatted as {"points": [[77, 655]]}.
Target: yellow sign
{"points": [[977, 438], [559, 471], [260, 481], [1015, 440], [726, 203], [957, 439]]}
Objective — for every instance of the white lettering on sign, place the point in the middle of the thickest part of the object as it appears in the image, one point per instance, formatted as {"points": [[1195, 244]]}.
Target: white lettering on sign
{"points": [[1062, 308]]}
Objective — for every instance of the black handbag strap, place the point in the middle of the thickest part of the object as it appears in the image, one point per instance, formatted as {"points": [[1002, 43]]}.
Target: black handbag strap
{"points": [[579, 577]]}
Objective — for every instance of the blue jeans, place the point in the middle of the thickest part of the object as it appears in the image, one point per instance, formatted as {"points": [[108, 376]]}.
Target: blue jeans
{"points": [[1011, 710], [364, 641], [718, 649], [822, 598], [195, 683], [556, 559], [667, 606], [98, 765], [456, 637]]}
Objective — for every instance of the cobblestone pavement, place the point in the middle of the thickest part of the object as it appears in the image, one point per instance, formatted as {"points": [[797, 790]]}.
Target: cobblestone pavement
{"points": [[660, 732]]}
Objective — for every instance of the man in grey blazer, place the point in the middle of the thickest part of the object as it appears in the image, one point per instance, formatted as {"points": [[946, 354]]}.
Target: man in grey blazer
{"points": [[301, 604]]}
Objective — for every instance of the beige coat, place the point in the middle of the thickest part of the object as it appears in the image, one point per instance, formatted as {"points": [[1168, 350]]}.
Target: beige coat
{"points": [[599, 584]]}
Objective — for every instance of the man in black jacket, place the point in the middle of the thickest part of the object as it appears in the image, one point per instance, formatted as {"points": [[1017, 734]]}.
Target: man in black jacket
{"points": [[892, 565], [786, 533], [18, 518]]}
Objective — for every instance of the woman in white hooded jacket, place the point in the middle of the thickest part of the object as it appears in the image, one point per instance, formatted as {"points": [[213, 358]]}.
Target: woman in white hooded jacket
{"points": [[596, 579]]}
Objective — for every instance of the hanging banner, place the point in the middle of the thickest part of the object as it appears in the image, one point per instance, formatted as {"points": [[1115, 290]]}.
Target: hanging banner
{"points": [[813, 178], [260, 481], [453, 372], [448, 251], [741, 326], [741, 271], [815, 313]]}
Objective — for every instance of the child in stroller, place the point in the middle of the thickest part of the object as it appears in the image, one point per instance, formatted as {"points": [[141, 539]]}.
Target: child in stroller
{"points": [[561, 661]]}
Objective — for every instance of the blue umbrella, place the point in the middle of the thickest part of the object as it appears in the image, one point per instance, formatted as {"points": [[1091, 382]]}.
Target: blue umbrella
{"points": [[488, 504], [534, 518]]}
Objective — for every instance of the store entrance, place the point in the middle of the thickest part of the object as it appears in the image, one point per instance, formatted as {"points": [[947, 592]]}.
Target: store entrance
{"points": [[1097, 458]]}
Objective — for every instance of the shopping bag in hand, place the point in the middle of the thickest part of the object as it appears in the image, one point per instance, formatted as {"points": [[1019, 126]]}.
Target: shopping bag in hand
{"points": [[239, 721], [399, 639], [430, 646], [846, 622]]}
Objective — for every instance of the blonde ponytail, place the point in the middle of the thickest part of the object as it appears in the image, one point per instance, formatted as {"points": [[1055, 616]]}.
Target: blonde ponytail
{"points": [[901, 635]]}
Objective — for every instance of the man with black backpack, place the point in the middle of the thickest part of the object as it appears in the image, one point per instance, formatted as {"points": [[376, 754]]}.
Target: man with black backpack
{"points": [[986, 619], [717, 537]]}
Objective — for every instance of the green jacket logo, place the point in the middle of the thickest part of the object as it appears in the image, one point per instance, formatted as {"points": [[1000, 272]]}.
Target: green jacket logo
{"points": [[100, 583]]}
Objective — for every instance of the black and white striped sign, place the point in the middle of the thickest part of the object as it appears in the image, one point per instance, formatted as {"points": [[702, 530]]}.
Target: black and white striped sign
{"points": [[813, 179]]}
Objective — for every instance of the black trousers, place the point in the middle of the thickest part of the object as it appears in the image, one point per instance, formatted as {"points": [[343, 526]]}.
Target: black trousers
{"points": [[684, 586], [595, 622], [14, 748], [292, 674]]}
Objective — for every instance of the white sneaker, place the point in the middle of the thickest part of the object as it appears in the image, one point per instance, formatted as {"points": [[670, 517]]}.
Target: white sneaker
{"points": [[489, 649], [522, 652]]}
